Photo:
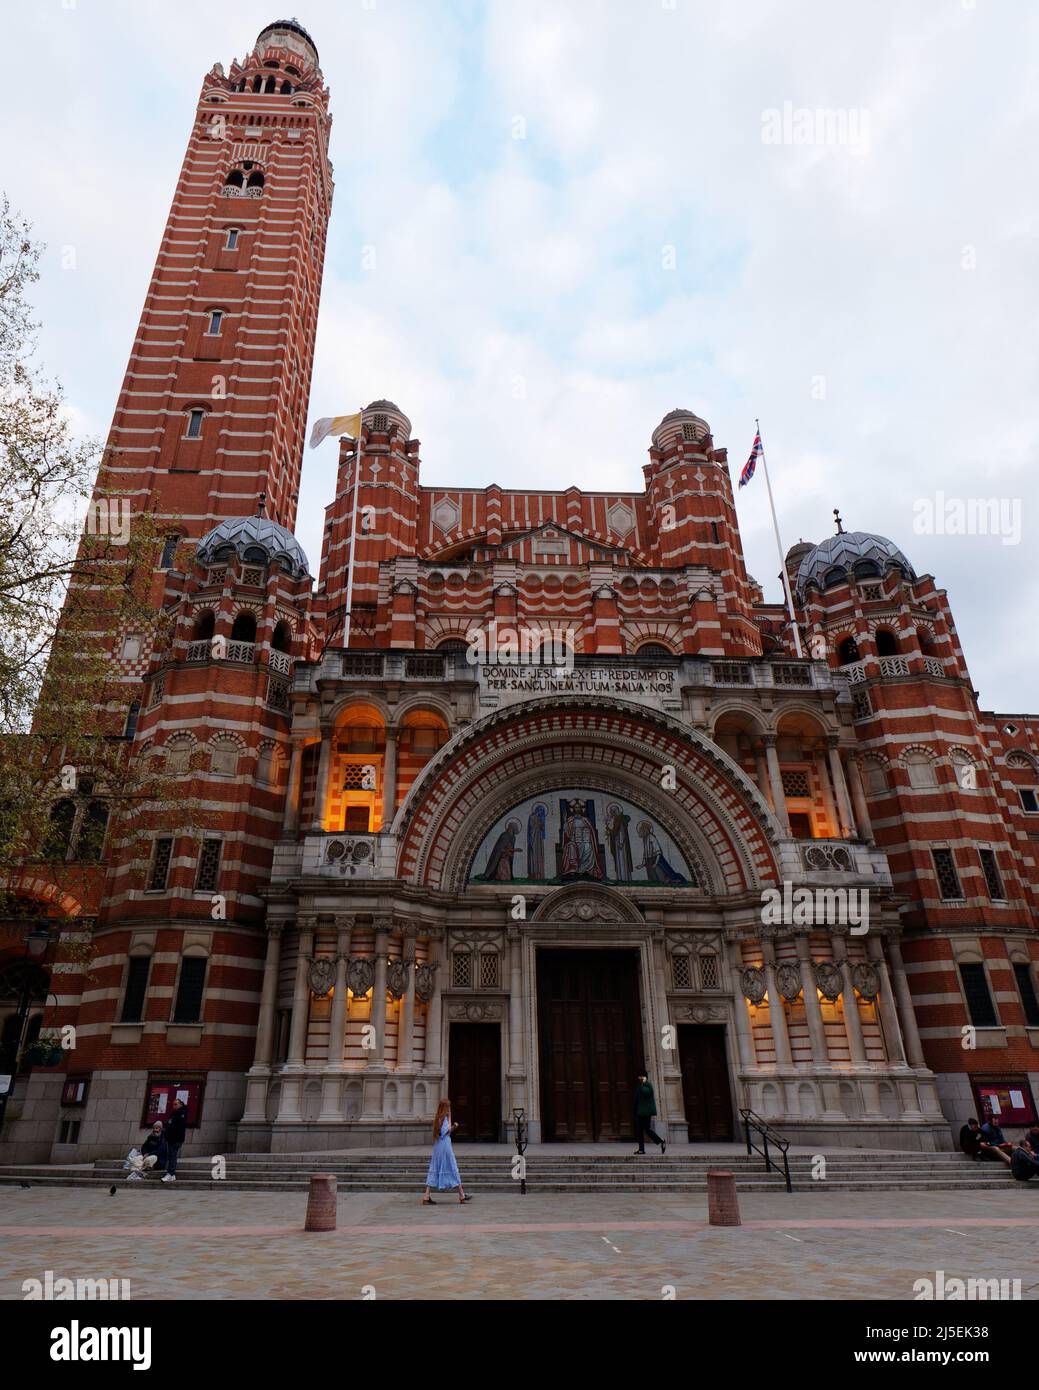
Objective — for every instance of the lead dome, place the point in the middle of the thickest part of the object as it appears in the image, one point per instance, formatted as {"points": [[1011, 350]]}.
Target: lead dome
{"points": [[858, 554], [255, 538]]}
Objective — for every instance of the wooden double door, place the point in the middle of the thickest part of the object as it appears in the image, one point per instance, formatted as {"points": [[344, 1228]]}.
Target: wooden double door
{"points": [[474, 1081], [590, 1043], [705, 1082]]}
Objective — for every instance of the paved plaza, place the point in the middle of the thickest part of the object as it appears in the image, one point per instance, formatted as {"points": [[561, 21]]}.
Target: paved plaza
{"points": [[175, 1244]]}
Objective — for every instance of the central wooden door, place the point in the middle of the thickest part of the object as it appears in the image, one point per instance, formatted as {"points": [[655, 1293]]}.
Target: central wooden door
{"points": [[705, 1082], [590, 1043], [474, 1081]]}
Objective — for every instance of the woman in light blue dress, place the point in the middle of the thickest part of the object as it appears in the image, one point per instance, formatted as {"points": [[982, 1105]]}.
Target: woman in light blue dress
{"points": [[443, 1171]]}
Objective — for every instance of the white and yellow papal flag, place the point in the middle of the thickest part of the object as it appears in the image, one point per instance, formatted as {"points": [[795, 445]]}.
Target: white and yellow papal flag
{"points": [[335, 424]]}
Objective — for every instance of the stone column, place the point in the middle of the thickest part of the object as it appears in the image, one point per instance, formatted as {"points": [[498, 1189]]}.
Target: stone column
{"points": [[819, 753], [858, 796], [434, 1013], [517, 1067], [886, 1004], [914, 1050], [292, 1083], [375, 1070], [290, 823], [776, 1010], [813, 1013], [844, 814], [389, 777], [406, 1041], [775, 776], [324, 769], [259, 1072], [868, 1088], [331, 1086], [761, 767]]}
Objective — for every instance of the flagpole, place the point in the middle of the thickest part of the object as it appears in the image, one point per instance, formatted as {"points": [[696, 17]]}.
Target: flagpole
{"points": [[353, 529], [779, 547]]}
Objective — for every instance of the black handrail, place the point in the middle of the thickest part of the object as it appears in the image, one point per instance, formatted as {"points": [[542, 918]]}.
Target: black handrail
{"points": [[759, 1126]]}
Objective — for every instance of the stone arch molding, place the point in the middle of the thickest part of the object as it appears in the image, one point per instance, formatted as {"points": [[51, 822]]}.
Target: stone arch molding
{"points": [[587, 904], [716, 814]]}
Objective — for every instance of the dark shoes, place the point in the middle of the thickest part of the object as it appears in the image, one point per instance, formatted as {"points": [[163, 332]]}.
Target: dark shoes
{"points": [[663, 1147]]}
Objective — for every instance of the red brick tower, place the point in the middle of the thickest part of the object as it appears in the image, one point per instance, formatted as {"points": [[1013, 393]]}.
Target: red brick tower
{"points": [[208, 432]]}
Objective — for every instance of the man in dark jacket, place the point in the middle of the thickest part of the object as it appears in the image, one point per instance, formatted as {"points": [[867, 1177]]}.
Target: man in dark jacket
{"points": [[176, 1129], [1023, 1162], [645, 1109], [971, 1142]]}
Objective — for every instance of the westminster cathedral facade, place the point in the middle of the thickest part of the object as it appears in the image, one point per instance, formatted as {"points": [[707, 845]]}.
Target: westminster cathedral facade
{"points": [[510, 794]]}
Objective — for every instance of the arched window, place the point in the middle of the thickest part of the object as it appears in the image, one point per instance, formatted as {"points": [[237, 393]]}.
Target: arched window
{"points": [[921, 770], [925, 640], [59, 832], [231, 244], [886, 643], [244, 629], [204, 626], [848, 651], [654, 651], [193, 428], [867, 569], [92, 833], [235, 179], [286, 88], [216, 318], [178, 753], [833, 577], [256, 179], [257, 83], [271, 86], [223, 761], [282, 639]]}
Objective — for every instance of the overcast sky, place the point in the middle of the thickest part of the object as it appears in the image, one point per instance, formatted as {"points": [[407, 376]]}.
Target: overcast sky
{"points": [[585, 214]]}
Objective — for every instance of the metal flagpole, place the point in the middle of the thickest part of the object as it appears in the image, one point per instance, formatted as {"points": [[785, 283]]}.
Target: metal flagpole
{"points": [[779, 547], [353, 529]]}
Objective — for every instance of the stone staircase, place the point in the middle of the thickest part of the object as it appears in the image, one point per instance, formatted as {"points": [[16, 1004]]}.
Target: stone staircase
{"points": [[679, 1173]]}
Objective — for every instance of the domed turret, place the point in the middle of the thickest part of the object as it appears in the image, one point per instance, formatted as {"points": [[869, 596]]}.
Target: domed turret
{"points": [[379, 414], [682, 424], [858, 554], [288, 33], [254, 538]]}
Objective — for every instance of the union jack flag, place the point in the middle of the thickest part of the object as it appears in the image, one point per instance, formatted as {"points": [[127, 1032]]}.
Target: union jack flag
{"points": [[752, 462]]}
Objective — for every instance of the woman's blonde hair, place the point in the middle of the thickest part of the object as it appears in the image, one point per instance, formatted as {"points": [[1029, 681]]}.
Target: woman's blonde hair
{"points": [[443, 1109]]}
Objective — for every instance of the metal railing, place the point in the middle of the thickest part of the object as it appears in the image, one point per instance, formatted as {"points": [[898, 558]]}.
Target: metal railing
{"points": [[754, 1123]]}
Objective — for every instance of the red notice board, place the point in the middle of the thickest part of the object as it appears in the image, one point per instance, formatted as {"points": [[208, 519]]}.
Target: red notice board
{"points": [[1008, 1098], [162, 1090]]}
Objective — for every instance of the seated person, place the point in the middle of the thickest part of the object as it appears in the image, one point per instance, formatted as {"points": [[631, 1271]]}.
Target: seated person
{"points": [[994, 1141], [152, 1153], [1024, 1163], [970, 1138]]}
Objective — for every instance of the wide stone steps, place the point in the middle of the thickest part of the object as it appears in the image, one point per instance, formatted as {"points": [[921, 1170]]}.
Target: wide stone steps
{"points": [[681, 1174]]}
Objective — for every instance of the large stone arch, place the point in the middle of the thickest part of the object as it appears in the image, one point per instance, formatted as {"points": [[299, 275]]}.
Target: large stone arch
{"points": [[720, 817]]}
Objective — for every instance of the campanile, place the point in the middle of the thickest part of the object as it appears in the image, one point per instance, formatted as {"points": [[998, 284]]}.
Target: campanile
{"points": [[212, 410]]}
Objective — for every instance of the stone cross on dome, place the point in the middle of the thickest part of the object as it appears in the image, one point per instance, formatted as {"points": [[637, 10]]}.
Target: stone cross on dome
{"points": [[837, 520]]}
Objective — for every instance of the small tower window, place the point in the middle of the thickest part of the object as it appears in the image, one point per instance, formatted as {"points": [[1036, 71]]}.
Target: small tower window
{"points": [[848, 651], [195, 418], [886, 644], [232, 239], [169, 549], [282, 639], [235, 179], [286, 89], [257, 84], [244, 629], [132, 716], [204, 626], [216, 318], [272, 85]]}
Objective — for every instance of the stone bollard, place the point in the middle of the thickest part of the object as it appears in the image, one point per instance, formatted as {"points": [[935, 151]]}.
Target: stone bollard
{"points": [[723, 1208], [321, 1203]]}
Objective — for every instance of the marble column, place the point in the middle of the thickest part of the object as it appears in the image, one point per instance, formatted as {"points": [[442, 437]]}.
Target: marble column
{"points": [[406, 1041], [332, 1085], [844, 812], [435, 1010], [517, 1067], [813, 1012], [259, 1072], [776, 1009], [290, 822], [324, 769], [914, 1050], [389, 777], [289, 1110], [819, 752], [886, 1004], [761, 768], [776, 778], [858, 796], [375, 1069]]}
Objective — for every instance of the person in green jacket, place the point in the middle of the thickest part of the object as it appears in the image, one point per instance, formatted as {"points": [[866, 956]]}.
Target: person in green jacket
{"points": [[645, 1109]]}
